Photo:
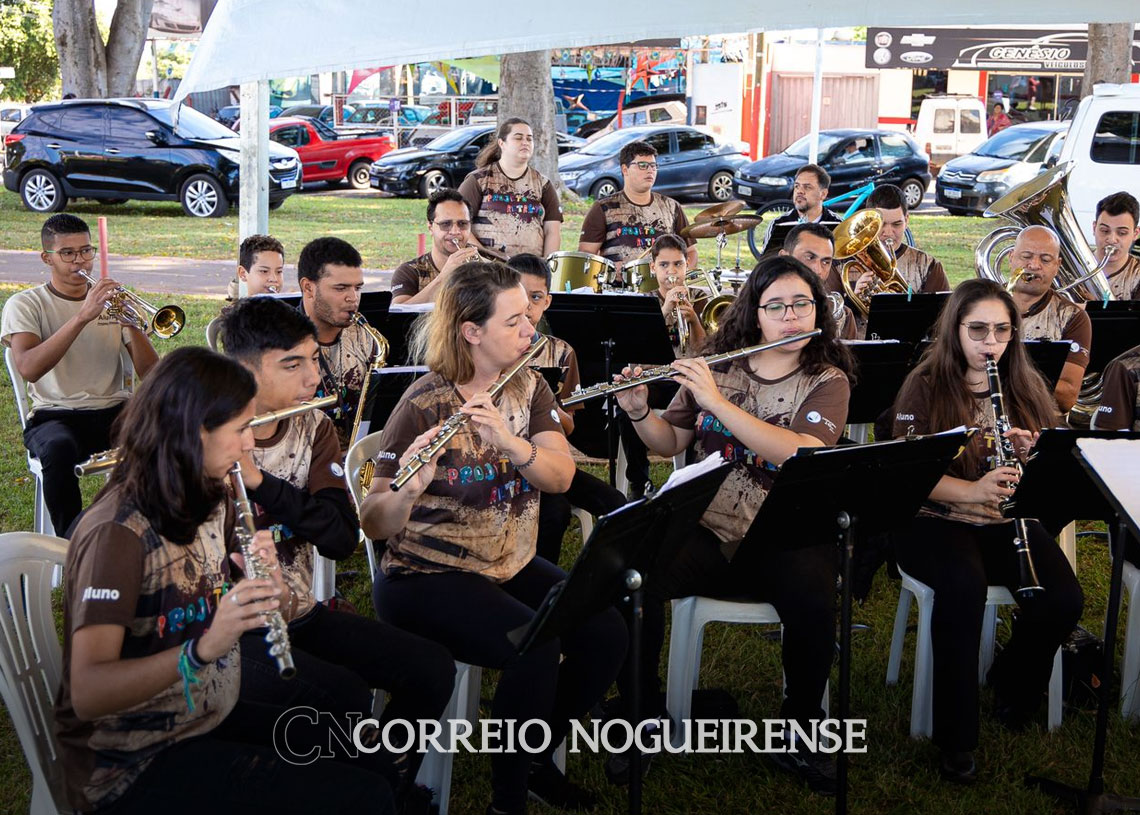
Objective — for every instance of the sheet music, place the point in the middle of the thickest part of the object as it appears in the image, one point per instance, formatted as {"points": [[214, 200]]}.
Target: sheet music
{"points": [[1117, 462], [403, 369], [412, 308], [688, 473]]}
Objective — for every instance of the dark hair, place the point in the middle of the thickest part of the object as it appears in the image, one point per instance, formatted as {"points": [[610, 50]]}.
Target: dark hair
{"points": [[793, 236], [821, 176], [667, 241], [1117, 204], [441, 195], [247, 254], [634, 149], [1027, 398], [886, 196], [161, 461], [254, 325], [61, 224], [492, 152], [317, 253], [533, 265], [740, 325]]}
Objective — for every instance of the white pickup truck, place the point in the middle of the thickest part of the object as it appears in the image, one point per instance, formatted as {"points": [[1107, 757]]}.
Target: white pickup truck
{"points": [[1104, 146]]}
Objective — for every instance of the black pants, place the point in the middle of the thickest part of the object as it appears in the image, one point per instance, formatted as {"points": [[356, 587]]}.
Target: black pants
{"points": [[636, 456], [800, 583], [471, 616], [589, 493], [340, 658], [60, 439], [959, 560]]}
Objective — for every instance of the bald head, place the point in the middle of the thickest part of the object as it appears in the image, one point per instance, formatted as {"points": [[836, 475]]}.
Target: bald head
{"points": [[1037, 251], [1040, 235]]}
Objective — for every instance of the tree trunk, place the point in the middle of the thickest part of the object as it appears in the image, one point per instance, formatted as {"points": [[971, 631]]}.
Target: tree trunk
{"points": [[125, 43], [526, 91], [88, 68], [1110, 55]]}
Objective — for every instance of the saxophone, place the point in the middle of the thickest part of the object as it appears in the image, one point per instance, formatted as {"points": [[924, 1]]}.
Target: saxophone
{"points": [[378, 361], [277, 635]]}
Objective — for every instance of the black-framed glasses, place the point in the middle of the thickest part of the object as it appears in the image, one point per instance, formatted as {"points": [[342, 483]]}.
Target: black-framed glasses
{"points": [[1003, 332], [69, 255], [643, 165], [800, 308], [446, 225]]}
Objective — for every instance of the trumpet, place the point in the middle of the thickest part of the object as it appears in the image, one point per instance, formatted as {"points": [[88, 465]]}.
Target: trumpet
{"points": [[458, 420], [668, 371], [488, 252], [127, 307], [683, 330], [378, 361]]}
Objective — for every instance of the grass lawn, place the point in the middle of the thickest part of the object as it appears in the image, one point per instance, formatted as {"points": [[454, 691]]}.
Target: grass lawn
{"points": [[896, 775]]}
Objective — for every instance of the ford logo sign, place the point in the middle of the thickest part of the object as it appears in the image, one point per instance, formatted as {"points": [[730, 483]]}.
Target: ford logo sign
{"points": [[916, 57]]}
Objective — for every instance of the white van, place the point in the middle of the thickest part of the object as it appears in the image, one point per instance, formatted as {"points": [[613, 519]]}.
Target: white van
{"points": [[948, 126], [1104, 147]]}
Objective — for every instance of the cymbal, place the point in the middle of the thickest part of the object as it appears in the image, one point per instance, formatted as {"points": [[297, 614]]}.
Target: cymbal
{"points": [[727, 226], [716, 211]]}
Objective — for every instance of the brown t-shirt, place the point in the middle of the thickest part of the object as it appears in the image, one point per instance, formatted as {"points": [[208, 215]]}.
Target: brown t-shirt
{"points": [[121, 572], [813, 404], [558, 354], [413, 275], [1055, 318], [625, 229], [1120, 402], [344, 364], [479, 514], [1125, 284], [509, 213], [305, 452]]}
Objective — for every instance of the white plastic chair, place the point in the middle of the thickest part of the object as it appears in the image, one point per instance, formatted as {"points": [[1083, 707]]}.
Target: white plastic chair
{"points": [[690, 616], [1130, 670], [43, 523], [212, 329], [921, 706], [31, 660], [435, 772]]}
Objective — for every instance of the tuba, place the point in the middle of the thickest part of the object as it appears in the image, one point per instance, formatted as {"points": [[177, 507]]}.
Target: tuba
{"points": [[857, 241]]}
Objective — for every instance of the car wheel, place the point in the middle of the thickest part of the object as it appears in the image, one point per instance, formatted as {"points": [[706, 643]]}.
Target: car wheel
{"points": [[276, 204], [913, 191], [720, 186], [42, 192], [358, 175], [203, 197], [433, 181], [769, 212], [603, 189]]}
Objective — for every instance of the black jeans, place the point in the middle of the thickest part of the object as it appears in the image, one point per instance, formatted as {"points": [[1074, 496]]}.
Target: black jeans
{"points": [[800, 583], [959, 560], [636, 455], [340, 658], [472, 617], [60, 439], [591, 494]]}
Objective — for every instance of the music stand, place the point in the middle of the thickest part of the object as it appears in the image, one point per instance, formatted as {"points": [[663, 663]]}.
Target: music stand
{"points": [[396, 326], [1048, 357], [385, 390], [1115, 329], [779, 233], [882, 366], [625, 546], [826, 491], [904, 317]]}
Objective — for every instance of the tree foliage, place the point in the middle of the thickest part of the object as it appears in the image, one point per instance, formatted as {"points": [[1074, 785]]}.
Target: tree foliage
{"points": [[26, 45]]}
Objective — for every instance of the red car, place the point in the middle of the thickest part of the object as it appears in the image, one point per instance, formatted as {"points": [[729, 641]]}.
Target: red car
{"points": [[326, 155]]}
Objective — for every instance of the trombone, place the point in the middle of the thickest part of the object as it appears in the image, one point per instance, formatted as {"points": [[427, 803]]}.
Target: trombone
{"points": [[127, 307]]}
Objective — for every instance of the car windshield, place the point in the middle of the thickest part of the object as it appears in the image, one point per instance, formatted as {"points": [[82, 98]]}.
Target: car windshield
{"points": [[1011, 143], [801, 147], [611, 143], [451, 140], [192, 124]]}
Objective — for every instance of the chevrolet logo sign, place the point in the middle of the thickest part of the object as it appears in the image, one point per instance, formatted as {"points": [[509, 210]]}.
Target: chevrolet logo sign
{"points": [[917, 40]]}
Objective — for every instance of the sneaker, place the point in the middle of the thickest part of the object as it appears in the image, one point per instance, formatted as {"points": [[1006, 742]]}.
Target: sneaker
{"points": [[548, 785], [617, 764], [959, 768], [817, 770]]}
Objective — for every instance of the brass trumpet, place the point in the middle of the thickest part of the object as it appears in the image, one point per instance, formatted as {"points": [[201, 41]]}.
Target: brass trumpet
{"points": [[127, 307], [683, 331], [488, 252]]}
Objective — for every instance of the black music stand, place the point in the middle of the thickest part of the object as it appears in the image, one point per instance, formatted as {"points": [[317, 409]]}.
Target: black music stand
{"points": [[1049, 356], [385, 390], [838, 491], [1110, 464], [904, 317], [779, 233], [1115, 329], [882, 366], [396, 326], [624, 547]]}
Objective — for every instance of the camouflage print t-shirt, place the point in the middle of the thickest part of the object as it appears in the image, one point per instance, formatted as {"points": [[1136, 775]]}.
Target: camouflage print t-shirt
{"points": [[1120, 402], [921, 272], [1055, 318], [412, 276], [344, 364], [121, 572], [509, 213], [1125, 284], [558, 354], [812, 404], [480, 514], [625, 229]]}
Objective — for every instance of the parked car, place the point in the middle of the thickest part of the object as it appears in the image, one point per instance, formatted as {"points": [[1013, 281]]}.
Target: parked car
{"points": [[689, 162], [379, 115], [968, 184], [851, 157], [443, 162], [949, 125], [327, 155], [322, 112], [113, 150], [11, 113], [230, 114]]}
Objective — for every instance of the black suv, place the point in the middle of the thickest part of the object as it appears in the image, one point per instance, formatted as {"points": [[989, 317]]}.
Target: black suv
{"points": [[117, 149]]}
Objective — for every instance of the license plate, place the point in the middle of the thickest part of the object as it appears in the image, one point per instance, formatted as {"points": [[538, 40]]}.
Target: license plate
{"points": [[289, 183], [742, 190], [949, 193]]}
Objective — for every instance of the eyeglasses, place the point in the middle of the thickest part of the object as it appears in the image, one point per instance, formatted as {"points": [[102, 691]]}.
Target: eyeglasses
{"points": [[643, 165], [800, 308], [446, 225], [69, 255], [1003, 332]]}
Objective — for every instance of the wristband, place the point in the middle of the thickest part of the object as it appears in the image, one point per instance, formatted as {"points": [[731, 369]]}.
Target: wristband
{"points": [[533, 456], [196, 662], [187, 672], [642, 417]]}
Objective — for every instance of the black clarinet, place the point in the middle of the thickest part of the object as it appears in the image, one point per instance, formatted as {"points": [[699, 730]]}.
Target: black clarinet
{"points": [[1004, 456]]}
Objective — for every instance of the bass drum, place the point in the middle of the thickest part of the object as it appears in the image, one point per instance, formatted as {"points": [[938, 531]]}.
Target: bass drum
{"points": [[577, 270], [640, 274]]}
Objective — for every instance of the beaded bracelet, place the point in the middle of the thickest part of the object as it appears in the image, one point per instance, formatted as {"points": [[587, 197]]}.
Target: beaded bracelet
{"points": [[533, 456]]}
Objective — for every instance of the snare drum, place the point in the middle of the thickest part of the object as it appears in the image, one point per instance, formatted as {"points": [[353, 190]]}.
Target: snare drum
{"points": [[575, 270], [640, 274]]}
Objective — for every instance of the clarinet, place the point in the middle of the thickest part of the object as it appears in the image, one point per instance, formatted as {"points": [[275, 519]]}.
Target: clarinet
{"points": [[1028, 585], [277, 635]]}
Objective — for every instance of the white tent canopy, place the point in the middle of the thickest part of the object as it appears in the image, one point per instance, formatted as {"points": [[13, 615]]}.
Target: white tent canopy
{"points": [[250, 40]]}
